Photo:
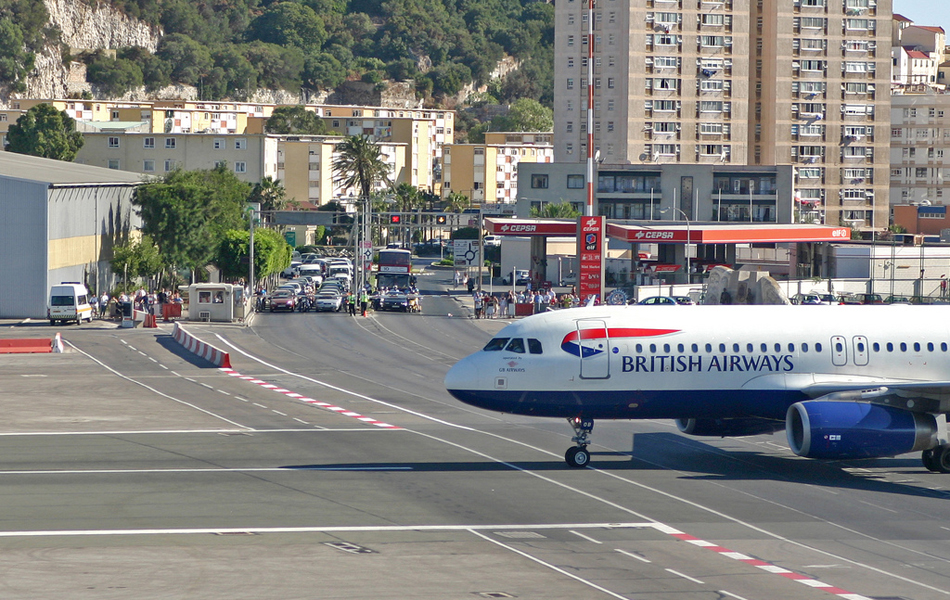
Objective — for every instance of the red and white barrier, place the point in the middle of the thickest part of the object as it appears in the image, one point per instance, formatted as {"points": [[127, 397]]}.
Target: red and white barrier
{"points": [[202, 349]]}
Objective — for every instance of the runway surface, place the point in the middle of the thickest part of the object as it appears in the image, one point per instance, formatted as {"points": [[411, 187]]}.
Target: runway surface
{"points": [[331, 463]]}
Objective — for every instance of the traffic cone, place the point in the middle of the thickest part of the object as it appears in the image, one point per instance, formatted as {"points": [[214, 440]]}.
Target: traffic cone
{"points": [[58, 344]]}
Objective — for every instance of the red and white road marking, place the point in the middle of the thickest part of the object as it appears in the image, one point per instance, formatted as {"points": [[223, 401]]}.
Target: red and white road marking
{"points": [[291, 394]]}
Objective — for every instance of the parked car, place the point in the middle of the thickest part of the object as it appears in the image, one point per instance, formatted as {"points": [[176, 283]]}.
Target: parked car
{"points": [[868, 298], [685, 300], [569, 279], [658, 300], [328, 300], [814, 299], [899, 300], [491, 240], [283, 300], [848, 299]]}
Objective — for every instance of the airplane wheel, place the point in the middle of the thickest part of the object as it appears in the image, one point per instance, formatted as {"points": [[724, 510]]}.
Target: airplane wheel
{"points": [[927, 457], [577, 457], [941, 458]]}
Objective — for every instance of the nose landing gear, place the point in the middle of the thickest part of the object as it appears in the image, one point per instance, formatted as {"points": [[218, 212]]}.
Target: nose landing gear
{"points": [[578, 456]]}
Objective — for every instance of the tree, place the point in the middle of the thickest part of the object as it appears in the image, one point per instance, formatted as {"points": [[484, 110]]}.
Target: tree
{"points": [[136, 258], [295, 120], [45, 131], [359, 164], [188, 212], [289, 24], [555, 210], [408, 197], [272, 253], [527, 114]]}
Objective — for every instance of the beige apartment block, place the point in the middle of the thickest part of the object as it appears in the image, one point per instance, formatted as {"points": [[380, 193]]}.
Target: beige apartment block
{"points": [[757, 82], [305, 168], [920, 148], [488, 173], [251, 157]]}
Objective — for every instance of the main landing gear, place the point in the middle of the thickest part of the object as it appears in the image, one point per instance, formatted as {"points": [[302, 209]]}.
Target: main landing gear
{"points": [[578, 456], [937, 459]]}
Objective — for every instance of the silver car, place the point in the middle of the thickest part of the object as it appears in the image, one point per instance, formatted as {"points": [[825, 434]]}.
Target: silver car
{"points": [[328, 300]]}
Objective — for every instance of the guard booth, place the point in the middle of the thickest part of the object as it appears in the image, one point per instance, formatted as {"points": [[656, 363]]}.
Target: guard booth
{"points": [[219, 302]]}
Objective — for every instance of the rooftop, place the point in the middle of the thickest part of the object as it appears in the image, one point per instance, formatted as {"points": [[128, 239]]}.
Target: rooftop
{"points": [[59, 172]]}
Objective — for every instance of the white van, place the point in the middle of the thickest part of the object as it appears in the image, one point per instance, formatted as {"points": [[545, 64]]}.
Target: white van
{"points": [[69, 301]]}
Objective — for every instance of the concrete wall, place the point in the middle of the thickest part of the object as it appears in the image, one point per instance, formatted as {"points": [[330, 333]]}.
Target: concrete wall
{"points": [[23, 252]]}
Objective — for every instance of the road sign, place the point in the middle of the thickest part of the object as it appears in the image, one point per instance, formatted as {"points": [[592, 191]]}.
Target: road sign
{"points": [[465, 253]]}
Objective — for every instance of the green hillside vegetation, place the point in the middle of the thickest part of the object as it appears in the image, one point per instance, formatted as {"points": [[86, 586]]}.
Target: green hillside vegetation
{"points": [[228, 48]]}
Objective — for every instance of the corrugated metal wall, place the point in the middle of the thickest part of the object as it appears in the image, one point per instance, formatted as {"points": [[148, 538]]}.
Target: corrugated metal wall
{"points": [[23, 258]]}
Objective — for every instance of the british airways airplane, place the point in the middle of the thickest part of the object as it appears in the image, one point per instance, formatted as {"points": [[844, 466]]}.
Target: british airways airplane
{"points": [[843, 381]]}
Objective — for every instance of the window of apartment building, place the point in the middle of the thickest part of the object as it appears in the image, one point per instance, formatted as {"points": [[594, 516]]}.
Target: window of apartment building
{"points": [[219, 144], [857, 3], [857, 151], [922, 133], [920, 172], [114, 163], [711, 150], [115, 115], [710, 106], [664, 127], [240, 143], [710, 128], [611, 61], [610, 104], [668, 18], [570, 83], [896, 172], [113, 142], [896, 132], [809, 173], [859, 24], [852, 87], [665, 149], [570, 18], [539, 182], [570, 40], [856, 131], [240, 167], [810, 44], [853, 194], [610, 83], [220, 163], [575, 182], [812, 65], [479, 152], [665, 105], [712, 41], [712, 20], [856, 175], [148, 165], [853, 66], [569, 148], [712, 85], [808, 130], [569, 104], [664, 84], [856, 45], [813, 2], [610, 126], [612, 17], [664, 39], [665, 62], [169, 143], [807, 151], [169, 165], [813, 22], [570, 62]]}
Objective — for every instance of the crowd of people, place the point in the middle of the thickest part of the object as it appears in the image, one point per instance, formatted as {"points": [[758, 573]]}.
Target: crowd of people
{"points": [[491, 306], [107, 307]]}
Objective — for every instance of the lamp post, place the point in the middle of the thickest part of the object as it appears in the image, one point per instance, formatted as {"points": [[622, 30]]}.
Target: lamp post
{"points": [[689, 239]]}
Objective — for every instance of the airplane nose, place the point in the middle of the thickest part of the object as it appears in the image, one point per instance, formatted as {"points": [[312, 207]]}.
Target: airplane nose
{"points": [[462, 376]]}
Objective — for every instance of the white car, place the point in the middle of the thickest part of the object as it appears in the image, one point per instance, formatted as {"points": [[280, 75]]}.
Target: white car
{"points": [[328, 300], [491, 240]]}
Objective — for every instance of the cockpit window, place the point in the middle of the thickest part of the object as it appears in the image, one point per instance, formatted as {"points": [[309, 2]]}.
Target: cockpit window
{"points": [[515, 345], [534, 346], [495, 344]]}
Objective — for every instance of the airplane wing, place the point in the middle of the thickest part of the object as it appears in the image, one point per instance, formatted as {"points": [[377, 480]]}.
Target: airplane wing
{"points": [[915, 395]]}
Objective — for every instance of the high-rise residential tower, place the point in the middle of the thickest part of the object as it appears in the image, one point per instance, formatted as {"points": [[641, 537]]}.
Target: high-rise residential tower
{"points": [[736, 82]]}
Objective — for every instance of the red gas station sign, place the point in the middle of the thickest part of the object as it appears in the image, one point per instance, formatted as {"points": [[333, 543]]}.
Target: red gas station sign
{"points": [[590, 252]]}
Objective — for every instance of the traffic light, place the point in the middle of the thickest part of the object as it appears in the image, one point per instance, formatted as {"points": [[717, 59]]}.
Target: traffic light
{"points": [[395, 219], [440, 219]]}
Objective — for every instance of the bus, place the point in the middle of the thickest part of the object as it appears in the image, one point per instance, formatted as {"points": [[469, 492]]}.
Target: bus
{"points": [[394, 269]]}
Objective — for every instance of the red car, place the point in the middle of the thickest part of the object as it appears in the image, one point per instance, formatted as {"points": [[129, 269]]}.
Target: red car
{"points": [[283, 300]]}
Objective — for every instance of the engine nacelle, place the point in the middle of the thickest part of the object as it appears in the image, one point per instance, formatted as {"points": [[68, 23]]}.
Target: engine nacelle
{"points": [[840, 430], [728, 427]]}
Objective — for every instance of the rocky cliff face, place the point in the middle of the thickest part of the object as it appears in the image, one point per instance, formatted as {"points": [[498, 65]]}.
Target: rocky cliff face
{"points": [[85, 25]]}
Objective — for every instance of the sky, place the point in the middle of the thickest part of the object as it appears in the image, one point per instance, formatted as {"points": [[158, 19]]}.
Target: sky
{"points": [[925, 12]]}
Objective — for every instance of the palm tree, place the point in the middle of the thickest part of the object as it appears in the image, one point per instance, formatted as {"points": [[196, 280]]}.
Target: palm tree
{"points": [[359, 164], [558, 210], [271, 195]]}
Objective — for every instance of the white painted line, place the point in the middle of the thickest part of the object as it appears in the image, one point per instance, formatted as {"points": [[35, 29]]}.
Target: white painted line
{"points": [[693, 579], [549, 566], [170, 432], [632, 555], [223, 392], [210, 387], [279, 413], [586, 537], [260, 405], [731, 595]]}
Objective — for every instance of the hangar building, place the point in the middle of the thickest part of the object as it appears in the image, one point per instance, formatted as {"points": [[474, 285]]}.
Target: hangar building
{"points": [[58, 222]]}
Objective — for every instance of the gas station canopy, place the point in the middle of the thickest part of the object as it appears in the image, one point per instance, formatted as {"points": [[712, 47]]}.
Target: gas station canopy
{"points": [[675, 232]]}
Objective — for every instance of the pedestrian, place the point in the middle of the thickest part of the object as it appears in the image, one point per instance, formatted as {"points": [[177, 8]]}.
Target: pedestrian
{"points": [[458, 278], [364, 301], [471, 284], [489, 307], [503, 305], [943, 285], [478, 305]]}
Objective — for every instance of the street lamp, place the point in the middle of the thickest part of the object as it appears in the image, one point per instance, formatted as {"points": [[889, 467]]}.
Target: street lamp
{"points": [[689, 239]]}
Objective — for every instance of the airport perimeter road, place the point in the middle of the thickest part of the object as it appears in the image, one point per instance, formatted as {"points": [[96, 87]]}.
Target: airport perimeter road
{"points": [[331, 463]]}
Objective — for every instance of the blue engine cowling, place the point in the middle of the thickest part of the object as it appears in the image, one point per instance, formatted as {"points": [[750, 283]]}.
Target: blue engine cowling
{"points": [[840, 430], [729, 427]]}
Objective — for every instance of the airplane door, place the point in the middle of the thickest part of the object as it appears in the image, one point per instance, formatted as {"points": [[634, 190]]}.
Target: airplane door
{"points": [[839, 351], [860, 350], [595, 349]]}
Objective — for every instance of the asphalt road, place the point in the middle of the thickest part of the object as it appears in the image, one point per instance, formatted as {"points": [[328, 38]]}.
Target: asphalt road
{"points": [[331, 463]]}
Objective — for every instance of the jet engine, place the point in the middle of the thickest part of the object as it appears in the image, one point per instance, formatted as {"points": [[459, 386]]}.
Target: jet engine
{"points": [[841, 430], [728, 427]]}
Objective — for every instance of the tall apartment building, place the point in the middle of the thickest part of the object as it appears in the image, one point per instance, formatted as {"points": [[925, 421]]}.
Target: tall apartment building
{"points": [[736, 82], [488, 173]]}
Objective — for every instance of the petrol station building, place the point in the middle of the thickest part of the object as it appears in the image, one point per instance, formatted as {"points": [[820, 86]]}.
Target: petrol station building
{"points": [[674, 221]]}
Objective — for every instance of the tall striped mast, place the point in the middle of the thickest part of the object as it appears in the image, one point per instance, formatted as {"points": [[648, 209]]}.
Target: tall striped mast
{"points": [[590, 109]]}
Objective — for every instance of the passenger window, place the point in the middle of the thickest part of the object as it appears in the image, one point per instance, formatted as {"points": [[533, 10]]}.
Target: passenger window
{"points": [[653, 348], [722, 347], [943, 346], [916, 346], [666, 348], [805, 347], [709, 348], [639, 348], [876, 347], [839, 347], [890, 347], [817, 347], [791, 347], [861, 347], [695, 348], [534, 346], [930, 346], [903, 347], [680, 348], [735, 347], [515, 345], [495, 344], [778, 347], [748, 348]]}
